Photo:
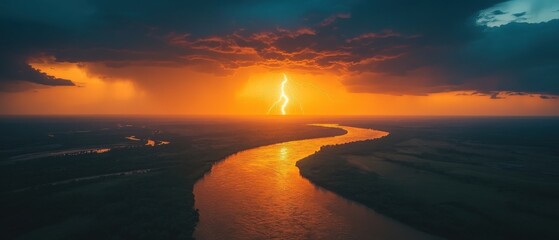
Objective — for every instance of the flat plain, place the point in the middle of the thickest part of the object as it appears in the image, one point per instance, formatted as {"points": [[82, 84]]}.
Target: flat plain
{"points": [[460, 178], [58, 181]]}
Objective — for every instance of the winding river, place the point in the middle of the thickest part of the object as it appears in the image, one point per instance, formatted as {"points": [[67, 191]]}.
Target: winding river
{"points": [[259, 194]]}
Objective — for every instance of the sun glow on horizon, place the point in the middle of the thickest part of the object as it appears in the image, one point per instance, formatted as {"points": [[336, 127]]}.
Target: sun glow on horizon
{"points": [[250, 92]]}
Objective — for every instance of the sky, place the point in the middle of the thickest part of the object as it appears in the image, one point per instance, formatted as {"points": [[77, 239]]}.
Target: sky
{"points": [[397, 57]]}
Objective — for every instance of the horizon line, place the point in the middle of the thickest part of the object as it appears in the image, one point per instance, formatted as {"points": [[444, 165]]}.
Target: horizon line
{"points": [[269, 116]]}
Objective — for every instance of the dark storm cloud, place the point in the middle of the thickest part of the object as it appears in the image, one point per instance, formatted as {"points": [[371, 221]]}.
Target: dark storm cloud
{"points": [[317, 48], [517, 57], [119, 33], [11, 70], [547, 97], [396, 47], [21, 40], [453, 53]]}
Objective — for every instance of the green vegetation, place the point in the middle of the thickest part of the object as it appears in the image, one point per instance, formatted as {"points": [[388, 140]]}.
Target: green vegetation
{"points": [[131, 192], [456, 178]]}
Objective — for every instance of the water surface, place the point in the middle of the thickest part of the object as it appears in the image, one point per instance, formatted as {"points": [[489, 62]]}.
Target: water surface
{"points": [[259, 194]]}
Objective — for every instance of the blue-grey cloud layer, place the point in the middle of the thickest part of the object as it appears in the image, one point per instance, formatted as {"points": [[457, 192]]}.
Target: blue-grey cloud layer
{"points": [[396, 47]]}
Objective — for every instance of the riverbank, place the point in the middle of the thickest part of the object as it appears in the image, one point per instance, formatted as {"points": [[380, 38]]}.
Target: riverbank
{"points": [[259, 194], [460, 179], [133, 192]]}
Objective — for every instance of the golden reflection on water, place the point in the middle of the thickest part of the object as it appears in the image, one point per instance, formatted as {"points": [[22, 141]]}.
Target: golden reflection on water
{"points": [[283, 152], [259, 194]]}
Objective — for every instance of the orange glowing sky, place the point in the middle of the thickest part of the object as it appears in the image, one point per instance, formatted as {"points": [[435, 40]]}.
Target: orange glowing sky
{"points": [[247, 91], [228, 57]]}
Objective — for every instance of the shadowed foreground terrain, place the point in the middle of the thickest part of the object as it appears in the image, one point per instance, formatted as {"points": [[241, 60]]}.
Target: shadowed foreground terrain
{"points": [[58, 181], [461, 178]]}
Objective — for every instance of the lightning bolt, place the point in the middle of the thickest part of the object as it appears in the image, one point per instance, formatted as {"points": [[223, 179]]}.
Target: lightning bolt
{"points": [[286, 99], [283, 97]]}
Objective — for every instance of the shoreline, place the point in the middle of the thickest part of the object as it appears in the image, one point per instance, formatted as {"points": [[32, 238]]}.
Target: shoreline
{"points": [[263, 184], [445, 181]]}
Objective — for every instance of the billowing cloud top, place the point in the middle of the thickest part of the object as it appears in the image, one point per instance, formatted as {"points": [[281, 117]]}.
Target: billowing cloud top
{"points": [[394, 47]]}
